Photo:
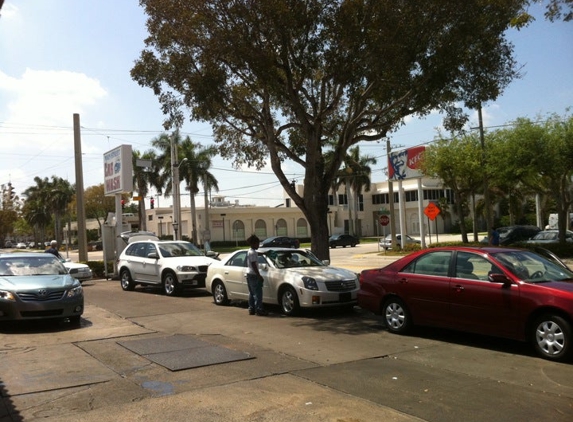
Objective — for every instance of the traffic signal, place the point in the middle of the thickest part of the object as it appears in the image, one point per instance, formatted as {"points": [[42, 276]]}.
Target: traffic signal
{"points": [[122, 203], [152, 203]]}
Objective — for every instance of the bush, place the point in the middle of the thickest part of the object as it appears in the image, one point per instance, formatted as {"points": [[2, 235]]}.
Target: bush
{"points": [[98, 269]]}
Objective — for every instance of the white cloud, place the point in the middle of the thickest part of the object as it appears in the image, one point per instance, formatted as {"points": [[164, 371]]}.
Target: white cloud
{"points": [[49, 97], [9, 11]]}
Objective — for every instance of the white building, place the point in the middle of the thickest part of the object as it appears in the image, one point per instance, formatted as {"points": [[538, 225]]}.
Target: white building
{"points": [[230, 221]]}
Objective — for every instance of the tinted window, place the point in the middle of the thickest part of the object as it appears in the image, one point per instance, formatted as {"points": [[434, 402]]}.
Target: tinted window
{"points": [[475, 267], [238, 260], [433, 263]]}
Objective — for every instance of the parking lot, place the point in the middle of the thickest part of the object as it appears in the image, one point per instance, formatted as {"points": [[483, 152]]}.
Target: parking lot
{"points": [[147, 357]]}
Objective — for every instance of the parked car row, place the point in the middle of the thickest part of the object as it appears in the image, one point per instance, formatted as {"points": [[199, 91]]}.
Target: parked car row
{"points": [[505, 292]]}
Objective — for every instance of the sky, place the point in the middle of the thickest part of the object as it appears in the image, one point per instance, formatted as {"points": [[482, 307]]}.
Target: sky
{"points": [[61, 57]]}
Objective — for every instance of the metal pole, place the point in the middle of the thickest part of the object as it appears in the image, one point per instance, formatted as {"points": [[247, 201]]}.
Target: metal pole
{"points": [[175, 188], [80, 203]]}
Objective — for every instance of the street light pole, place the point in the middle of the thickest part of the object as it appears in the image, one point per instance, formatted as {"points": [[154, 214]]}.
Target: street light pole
{"points": [[175, 187]]}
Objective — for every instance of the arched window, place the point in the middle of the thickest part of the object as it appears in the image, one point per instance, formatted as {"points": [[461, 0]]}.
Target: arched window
{"points": [[261, 229], [301, 228], [238, 230], [281, 227]]}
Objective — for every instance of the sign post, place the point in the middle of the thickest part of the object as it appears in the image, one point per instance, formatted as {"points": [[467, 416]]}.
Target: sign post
{"points": [[432, 211]]}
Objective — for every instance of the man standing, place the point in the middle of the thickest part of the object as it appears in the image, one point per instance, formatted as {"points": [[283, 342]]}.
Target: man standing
{"points": [[54, 249], [254, 279]]}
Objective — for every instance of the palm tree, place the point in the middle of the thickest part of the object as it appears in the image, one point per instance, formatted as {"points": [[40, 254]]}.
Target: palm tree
{"points": [[55, 195], [194, 162], [37, 215], [355, 176], [195, 170], [143, 179], [62, 193]]}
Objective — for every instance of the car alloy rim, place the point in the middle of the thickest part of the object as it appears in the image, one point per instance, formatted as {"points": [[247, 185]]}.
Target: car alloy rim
{"points": [[169, 284], [550, 338], [124, 279], [219, 293], [395, 315], [288, 301]]}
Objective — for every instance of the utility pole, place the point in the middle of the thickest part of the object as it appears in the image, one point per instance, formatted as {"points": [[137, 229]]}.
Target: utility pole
{"points": [[486, 197], [391, 198], [81, 210], [175, 189]]}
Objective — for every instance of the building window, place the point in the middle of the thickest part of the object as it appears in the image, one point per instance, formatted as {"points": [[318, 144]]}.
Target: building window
{"points": [[261, 229], [238, 230], [380, 198], [281, 228], [360, 202], [411, 196], [301, 228], [342, 199]]}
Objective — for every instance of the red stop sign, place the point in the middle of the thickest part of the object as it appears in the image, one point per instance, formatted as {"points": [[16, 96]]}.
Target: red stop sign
{"points": [[384, 220]]}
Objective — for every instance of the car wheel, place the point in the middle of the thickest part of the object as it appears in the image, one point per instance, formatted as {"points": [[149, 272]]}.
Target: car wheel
{"points": [[396, 316], [220, 294], [170, 284], [127, 283], [289, 301], [353, 245], [552, 337]]}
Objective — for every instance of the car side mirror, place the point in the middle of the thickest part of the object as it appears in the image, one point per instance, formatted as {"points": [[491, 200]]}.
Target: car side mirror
{"points": [[263, 267], [326, 261], [498, 278], [153, 255], [212, 254]]}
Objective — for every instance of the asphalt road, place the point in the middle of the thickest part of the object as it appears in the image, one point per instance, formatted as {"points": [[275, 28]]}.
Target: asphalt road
{"points": [[320, 366]]}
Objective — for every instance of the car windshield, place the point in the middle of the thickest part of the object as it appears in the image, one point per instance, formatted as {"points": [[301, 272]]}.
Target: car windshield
{"points": [[16, 266], [292, 259], [531, 267], [175, 249]]}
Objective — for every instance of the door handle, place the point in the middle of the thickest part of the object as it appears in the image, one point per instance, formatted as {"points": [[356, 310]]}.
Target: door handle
{"points": [[459, 288]]}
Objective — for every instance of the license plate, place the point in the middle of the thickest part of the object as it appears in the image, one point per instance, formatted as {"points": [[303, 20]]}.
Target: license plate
{"points": [[345, 297]]}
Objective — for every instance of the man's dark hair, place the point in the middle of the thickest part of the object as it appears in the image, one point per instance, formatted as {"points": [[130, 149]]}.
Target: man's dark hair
{"points": [[253, 239]]}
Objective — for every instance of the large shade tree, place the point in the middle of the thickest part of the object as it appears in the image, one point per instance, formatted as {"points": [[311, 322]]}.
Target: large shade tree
{"points": [[286, 80], [456, 162]]}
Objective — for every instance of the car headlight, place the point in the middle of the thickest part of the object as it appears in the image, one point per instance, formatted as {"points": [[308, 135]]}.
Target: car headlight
{"points": [[76, 291], [4, 295], [186, 268], [310, 283]]}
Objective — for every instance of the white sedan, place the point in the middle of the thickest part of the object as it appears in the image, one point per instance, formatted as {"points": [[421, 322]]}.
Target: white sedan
{"points": [[82, 272], [293, 279]]}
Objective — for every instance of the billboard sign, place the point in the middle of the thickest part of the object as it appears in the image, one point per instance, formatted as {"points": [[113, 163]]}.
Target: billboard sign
{"points": [[405, 164], [118, 170]]}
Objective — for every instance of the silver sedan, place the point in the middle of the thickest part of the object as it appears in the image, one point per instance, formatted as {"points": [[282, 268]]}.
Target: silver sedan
{"points": [[293, 279]]}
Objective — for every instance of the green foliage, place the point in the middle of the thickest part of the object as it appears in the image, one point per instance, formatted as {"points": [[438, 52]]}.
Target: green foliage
{"points": [[98, 268], [291, 80]]}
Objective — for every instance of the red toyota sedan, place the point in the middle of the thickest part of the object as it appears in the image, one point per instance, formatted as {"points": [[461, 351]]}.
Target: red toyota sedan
{"points": [[512, 293]]}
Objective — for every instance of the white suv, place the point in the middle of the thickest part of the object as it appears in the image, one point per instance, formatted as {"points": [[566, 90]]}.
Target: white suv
{"points": [[174, 265]]}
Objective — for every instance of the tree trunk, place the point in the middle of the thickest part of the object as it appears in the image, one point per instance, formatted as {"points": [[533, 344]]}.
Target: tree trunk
{"points": [[193, 218], [142, 221], [460, 209]]}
